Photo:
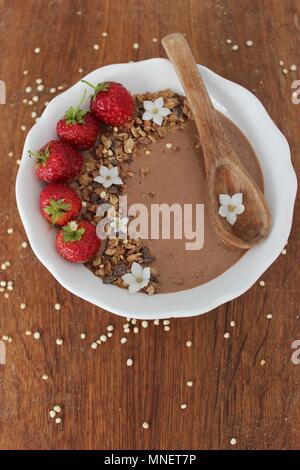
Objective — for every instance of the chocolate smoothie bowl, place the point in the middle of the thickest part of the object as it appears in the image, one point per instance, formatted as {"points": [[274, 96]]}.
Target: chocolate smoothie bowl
{"points": [[160, 163]]}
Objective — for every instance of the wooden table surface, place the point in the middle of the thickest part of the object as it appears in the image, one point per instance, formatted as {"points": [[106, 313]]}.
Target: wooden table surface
{"points": [[244, 387]]}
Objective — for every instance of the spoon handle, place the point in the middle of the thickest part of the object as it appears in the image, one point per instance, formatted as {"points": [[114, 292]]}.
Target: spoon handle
{"points": [[212, 135], [224, 172]]}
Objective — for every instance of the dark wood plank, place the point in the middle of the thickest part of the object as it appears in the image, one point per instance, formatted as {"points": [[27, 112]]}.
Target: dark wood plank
{"points": [[104, 401]]}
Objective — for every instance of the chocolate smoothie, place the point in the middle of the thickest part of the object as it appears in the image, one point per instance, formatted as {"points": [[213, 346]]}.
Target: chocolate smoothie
{"points": [[159, 163], [172, 171]]}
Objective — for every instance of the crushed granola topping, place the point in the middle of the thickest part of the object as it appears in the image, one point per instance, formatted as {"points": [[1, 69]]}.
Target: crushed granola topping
{"points": [[117, 147]]}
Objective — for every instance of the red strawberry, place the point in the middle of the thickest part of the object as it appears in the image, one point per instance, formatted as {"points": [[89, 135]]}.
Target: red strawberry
{"points": [[57, 161], [78, 127], [59, 203], [111, 103], [78, 241]]}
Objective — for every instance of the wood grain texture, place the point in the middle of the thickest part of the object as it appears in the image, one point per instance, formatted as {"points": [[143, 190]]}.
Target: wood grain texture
{"points": [[104, 401]]}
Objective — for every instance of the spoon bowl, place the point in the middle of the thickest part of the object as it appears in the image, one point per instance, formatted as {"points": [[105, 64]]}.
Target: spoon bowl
{"points": [[253, 224]]}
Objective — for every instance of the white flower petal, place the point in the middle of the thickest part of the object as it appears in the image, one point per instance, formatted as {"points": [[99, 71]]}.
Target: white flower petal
{"points": [[223, 211], [164, 112], [148, 105], [99, 179], [146, 274], [136, 269], [134, 287], [107, 183], [114, 171], [224, 199], [116, 180], [157, 119], [144, 283], [239, 209], [159, 102], [147, 116], [128, 278], [231, 218], [104, 171], [237, 198]]}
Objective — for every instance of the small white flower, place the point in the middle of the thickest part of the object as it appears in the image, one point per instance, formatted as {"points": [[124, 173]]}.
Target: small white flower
{"points": [[231, 206], [108, 176], [137, 279], [155, 111], [119, 224]]}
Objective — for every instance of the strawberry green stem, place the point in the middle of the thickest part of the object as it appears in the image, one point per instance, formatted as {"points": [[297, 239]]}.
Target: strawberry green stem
{"points": [[76, 115], [41, 157], [99, 87], [80, 103], [89, 84]]}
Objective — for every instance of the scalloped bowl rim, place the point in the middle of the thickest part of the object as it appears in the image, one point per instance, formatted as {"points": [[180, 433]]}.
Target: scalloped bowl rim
{"points": [[247, 112]]}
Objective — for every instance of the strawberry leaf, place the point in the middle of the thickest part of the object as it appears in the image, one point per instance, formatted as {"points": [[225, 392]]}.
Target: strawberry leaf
{"points": [[72, 232], [56, 209], [41, 157]]}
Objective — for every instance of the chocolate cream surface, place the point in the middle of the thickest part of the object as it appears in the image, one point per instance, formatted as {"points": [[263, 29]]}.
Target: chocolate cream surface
{"points": [[175, 174]]}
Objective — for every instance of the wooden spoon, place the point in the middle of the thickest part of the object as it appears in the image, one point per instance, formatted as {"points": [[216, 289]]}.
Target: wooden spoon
{"points": [[224, 171]]}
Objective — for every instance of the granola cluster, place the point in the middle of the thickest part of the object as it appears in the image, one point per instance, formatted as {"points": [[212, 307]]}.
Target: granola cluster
{"points": [[118, 146]]}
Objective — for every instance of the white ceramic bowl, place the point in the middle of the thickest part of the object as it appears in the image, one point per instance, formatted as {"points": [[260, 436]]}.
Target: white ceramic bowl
{"points": [[272, 151]]}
